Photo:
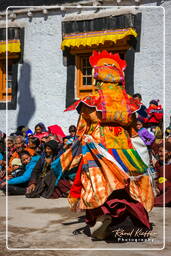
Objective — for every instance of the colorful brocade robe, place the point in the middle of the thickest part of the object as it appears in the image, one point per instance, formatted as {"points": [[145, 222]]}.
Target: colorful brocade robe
{"points": [[104, 154]]}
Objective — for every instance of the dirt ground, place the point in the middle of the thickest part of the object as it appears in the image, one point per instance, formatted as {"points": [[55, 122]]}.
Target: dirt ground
{"points": [[48, 227]]}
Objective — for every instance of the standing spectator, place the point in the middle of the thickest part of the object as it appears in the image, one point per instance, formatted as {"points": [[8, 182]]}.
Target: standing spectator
{"points": [[155, 114], [142, 114], [144, 134]]}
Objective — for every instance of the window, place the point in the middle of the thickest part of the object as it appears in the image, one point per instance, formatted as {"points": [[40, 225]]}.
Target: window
{"points": [[85, 84], [15, 56], [6, 95], [78, 80]]}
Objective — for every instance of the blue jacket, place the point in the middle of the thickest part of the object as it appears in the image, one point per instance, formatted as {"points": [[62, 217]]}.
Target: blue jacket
{"points": [[27, 174], [57, 171], [1, 158]]}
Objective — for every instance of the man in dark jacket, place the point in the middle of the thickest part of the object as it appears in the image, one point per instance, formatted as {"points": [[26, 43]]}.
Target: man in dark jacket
{"points": [[43, 179], [46, 179]]}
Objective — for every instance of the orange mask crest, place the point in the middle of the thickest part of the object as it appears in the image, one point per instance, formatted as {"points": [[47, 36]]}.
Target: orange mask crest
{"points": [[104, 57]]}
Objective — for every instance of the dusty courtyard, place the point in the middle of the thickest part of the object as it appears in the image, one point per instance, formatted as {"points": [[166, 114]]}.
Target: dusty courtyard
{"points": [[40, 224]]}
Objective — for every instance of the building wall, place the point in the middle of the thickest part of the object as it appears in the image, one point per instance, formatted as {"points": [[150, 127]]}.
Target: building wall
{"points": [[148, 76], [167, 6], [42, 76]]}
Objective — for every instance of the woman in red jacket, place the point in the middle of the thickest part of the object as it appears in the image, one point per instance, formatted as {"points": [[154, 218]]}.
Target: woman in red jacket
{"points": [[155, 114]]}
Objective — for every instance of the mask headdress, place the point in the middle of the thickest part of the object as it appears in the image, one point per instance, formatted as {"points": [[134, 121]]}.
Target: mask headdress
{"points": [[104, 57]]}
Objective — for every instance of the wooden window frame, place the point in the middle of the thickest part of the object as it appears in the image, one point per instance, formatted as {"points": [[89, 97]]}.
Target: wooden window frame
{"points": [[5, 94], [81, 89], [10, 98]]}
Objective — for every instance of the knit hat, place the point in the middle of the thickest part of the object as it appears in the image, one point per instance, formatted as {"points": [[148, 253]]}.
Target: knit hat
{"points": [[53, 144], [16, 161], [154, 102]]}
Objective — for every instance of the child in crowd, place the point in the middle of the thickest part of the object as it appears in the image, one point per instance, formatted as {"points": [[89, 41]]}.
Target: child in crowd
{"points": [[147, 137], [17, 169], [17, 185]]}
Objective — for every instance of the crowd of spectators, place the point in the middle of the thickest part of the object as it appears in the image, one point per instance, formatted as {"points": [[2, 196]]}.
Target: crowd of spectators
{"points": [[31, 161], [31, 157]]}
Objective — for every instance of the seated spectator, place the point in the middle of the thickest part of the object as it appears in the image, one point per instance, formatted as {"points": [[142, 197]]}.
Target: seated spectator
{"points": [[67, 142], [18, 184], [10, 145], [49, 137], [57, 131], [2, 158], [154, 114], [72, 131], [22, 130], [39, 131], [164, 179], [34, 143], [2, 167], [17, 169], [26, 134], [43, 127], [144, 134], [19, 146], [46, 178]]}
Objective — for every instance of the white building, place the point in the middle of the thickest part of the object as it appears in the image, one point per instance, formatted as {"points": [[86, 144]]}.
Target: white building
{"points": [[45, 79]]}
